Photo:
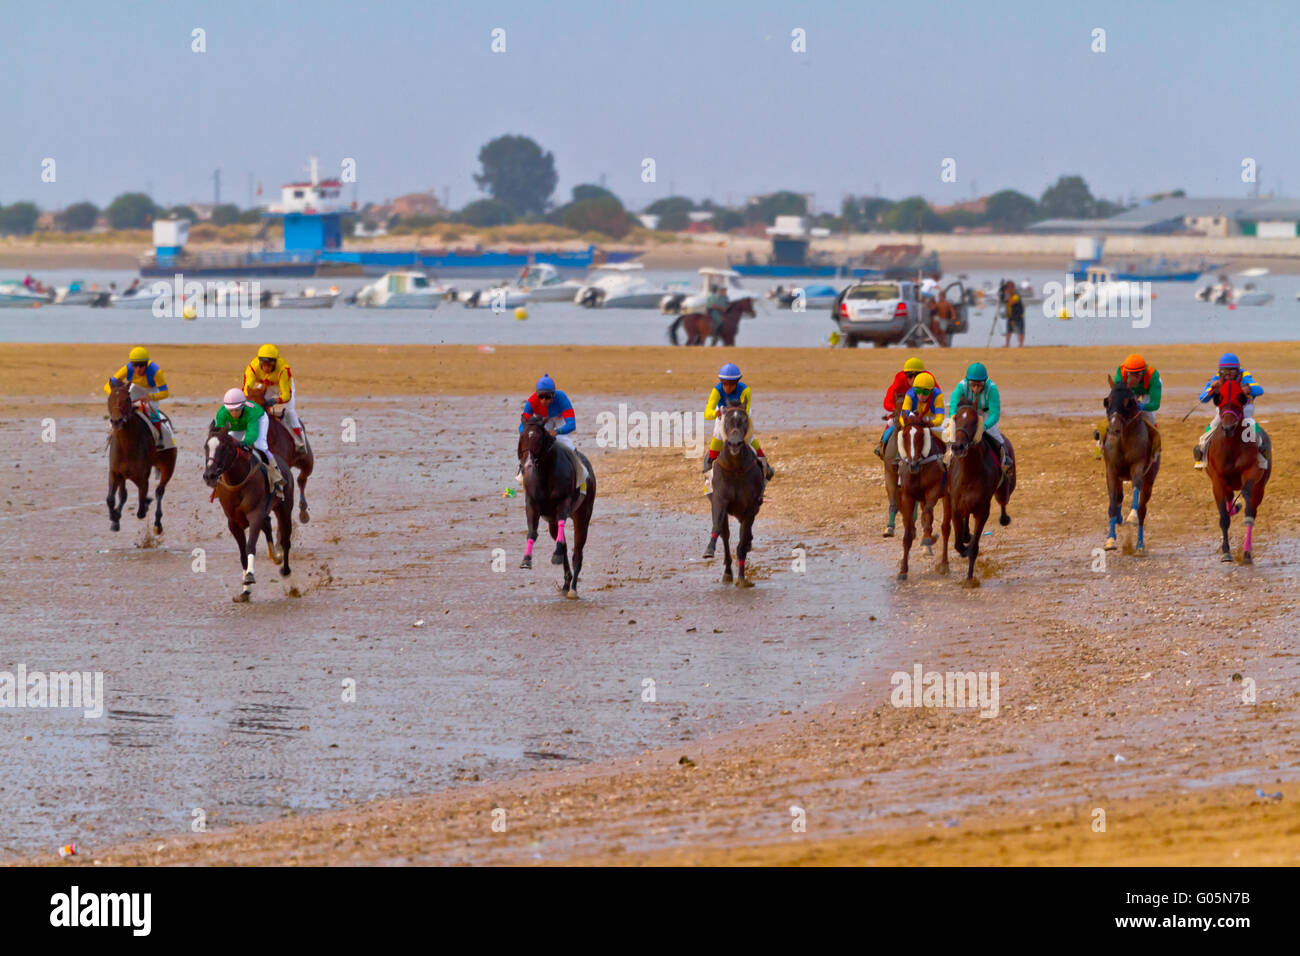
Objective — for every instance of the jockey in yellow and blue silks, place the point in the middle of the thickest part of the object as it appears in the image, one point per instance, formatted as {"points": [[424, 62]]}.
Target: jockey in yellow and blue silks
{"points": [[148, 385], [731, 392], [554, 406], [981, 391], [1229, 370], [924, 398]]}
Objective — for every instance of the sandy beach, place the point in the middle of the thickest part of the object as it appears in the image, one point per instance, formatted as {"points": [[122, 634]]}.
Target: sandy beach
{"points": [[1121, 687]]}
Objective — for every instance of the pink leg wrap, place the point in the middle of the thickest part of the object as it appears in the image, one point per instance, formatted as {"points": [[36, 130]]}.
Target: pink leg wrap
{"points": [[528, 548], [1250, 530], [559, 535]]}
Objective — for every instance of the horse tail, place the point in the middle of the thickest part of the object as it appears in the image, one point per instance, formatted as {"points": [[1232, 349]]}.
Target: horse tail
{"points": [[672, 331]]}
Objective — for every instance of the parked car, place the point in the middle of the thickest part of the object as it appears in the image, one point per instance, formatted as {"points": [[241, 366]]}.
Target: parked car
{"points": [[891, 311]]}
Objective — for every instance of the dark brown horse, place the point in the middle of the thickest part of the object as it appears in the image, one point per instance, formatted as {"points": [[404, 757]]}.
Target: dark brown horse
{"points": [[240, 484], [1132, 453], [922, 482], [889, 458], [132, 455], [1237, 458], [974, 479], [280, 440], [737, 484], [700, 325], [551, 492]]}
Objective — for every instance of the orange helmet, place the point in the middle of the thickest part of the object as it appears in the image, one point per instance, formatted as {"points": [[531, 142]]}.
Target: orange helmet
{"points": [[1134, 363]]}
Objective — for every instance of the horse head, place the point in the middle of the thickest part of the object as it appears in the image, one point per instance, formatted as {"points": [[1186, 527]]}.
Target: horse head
{"points": [[965, 428], [914, 442], [119, 404], [1121, 407], [735, 426], [534, 442], [744, 307], [221, 452], [1231, 399], [258, 394]]}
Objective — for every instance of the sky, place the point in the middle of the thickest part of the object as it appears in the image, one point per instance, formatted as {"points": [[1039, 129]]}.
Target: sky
{"points": [[711, 90]]}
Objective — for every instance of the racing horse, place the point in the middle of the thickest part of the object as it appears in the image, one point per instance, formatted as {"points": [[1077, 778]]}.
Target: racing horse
{"points": [[1237, 458], [133, 454], [240, 484], [551, 492], [737, 492], [700, 325], [1132, 453], [922, 481], [280, 440], [974, 479]]}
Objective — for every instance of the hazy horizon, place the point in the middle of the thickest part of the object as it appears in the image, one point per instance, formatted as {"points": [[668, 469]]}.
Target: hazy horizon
{"points": [[714, 94]]}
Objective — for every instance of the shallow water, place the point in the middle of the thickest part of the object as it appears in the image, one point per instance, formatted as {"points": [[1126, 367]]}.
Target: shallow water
{"points": [[1176, 317]]}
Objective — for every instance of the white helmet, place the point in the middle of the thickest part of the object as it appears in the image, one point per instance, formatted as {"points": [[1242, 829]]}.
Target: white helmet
{"points": [[234, 399]]}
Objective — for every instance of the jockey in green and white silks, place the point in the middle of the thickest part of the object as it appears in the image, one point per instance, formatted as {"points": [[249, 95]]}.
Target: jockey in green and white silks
{"points": [[983, 392]]}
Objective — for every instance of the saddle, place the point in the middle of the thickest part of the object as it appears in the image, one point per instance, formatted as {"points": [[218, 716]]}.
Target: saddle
{"points": [[143, 409]]}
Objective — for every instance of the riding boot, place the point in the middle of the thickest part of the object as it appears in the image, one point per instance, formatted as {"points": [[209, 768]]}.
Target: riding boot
{"points": [[707, 465], [768, 471], [277, 479]]}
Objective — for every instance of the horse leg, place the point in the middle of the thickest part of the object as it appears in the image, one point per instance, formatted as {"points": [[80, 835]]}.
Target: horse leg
{"points": [[1132, 517], [946, 528], [114, 513], [973, 549], [1222, 496], [254, 529], [891, 491], [284, 517], [742, 550], [164, 475], [527, 562], [909, 532], [245, 560], [1115, 488], [580, 522], [561, 555], [927, 528], [726, 549], [305, 467], [719, 524], [1250, 491], [1142, 501], [142, 483]]}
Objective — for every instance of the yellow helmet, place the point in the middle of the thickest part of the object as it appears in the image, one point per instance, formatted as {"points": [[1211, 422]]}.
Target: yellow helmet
{"points": [[138, 354], [924, 380], [268, 351], [914, 364]]}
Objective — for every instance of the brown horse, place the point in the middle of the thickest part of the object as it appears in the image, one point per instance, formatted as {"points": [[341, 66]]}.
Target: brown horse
{"points": [[737, 493], [974, 479], [922, 481], [1132, 453], [551, 492], [241, 485], [889, 458], [280, 440], [700, 325], [132, 455], [1237, 458]]}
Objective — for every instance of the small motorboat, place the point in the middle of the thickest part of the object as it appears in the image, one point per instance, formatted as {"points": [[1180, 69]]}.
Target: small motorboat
{"points": [[814, 296], [307, 299], [543, 283], [619, 285], [76, 293], [137, 297], [498, 298], [399, 290], [13, 294]]}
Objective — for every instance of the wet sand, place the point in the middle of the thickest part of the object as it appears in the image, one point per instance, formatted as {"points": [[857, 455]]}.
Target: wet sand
{"points": [[1144, 660]]}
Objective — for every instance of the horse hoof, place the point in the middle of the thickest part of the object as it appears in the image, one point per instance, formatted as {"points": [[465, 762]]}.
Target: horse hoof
{"points": [[744, 583], [902, 576], [943, 568], [1132, 517], [557, 558], [571, 594], [929, 551], [971, 583], [115, 526], [241, 598], [927, 541], [527, 563], [1140, 550], [285, 572], [1110, 544], [1246, 558], [248, 578], [889, 532], [726, 577], [1226, 558], [157, 529], [1004, 520], [708, 554], [303, 516]]}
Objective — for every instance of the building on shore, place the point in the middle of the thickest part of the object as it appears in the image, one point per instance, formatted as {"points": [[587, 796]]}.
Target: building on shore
{"points": [[1264, 218]]}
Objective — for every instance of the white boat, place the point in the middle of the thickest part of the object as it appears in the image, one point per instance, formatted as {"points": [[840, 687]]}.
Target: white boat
{"points": [[543, 283], [77, 293], [13, 294], [619, 285], [1102, 291], [400, 290], [1250, 295], [307, 299], [727, 279], [141, 298], [499, 298]]}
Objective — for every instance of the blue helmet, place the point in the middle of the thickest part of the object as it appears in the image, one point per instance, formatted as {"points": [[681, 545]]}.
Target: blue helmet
{"points": [[1229, 360], [546, 384], [977, 372], [729, 373]]}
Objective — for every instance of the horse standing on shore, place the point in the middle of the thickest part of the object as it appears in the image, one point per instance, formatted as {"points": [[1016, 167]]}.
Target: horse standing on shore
{"points": [[133, 455], [241, 486], [700, 325], [280, 440], [1238, 457], [737, 492], [551, 491], [975, 478], [923, 482], [1132, 452]]}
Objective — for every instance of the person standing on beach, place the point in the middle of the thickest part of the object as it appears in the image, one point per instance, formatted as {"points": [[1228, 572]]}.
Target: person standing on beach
{"points": [[1015, 315]]}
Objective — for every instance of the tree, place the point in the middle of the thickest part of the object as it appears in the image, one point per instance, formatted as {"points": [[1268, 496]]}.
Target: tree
{"points": [[725, 220], [962, 218], [250, 216], [605, 215], [1068, 198], [1010, 211], [182, 212], [487, 212], [79, 217], [517, 172], [225, 214], [585, 191], [914, 214], [765, 209], [865, 213], [131, 211], [18, 219], [672, 212]]}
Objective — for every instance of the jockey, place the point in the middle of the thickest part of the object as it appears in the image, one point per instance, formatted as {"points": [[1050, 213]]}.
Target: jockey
{"points": [[267, 369], [983, 392], [247, 423], [894, 397], [924, 398], [147, 386], [1144, 380], [731, 392], [1229, 370], [555, 407]]}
